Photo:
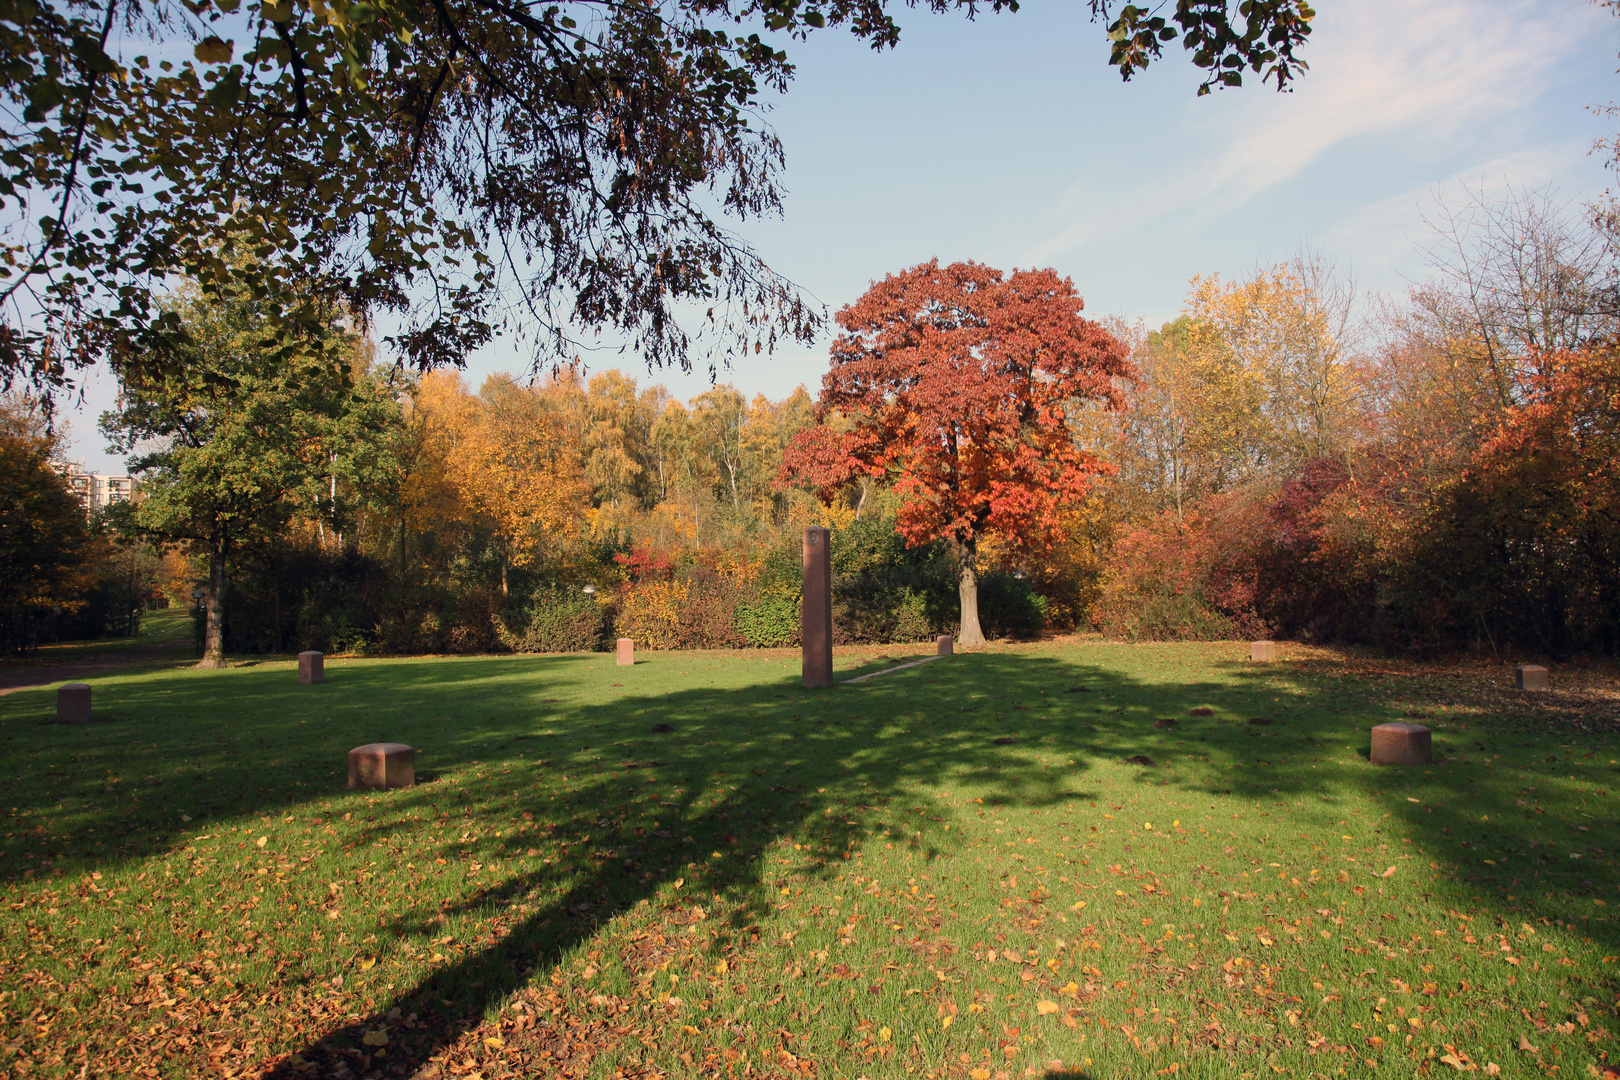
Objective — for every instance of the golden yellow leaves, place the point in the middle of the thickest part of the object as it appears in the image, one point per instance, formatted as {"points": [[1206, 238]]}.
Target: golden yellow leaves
{"points": [[378, 1037], [501, 459], [211, 50], [1046, 1008]]}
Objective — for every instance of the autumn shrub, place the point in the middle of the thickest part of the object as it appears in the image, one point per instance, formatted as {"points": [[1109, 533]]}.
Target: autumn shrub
{"points": [[1009, 606], [911, 619], [1522, 549], [557, 620], [770, 622], [1180, 579], [650, 612]]}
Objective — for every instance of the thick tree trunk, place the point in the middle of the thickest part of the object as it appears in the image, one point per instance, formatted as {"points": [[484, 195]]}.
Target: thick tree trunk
{"points": [[214, 634], [967, 584]]}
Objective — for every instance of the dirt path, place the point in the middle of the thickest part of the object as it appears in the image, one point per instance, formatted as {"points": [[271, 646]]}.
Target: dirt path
{"points": [[21, 678]]}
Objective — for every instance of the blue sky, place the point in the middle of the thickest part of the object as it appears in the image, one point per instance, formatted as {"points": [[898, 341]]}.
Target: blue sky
{"points": [[1009, 141]]}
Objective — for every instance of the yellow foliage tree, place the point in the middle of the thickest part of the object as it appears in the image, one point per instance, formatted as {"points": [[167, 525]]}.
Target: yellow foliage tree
{"points": [[501, 462]]}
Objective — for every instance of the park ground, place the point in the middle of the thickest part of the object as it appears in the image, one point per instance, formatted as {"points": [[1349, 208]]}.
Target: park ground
{"points": [[1064, 859]]}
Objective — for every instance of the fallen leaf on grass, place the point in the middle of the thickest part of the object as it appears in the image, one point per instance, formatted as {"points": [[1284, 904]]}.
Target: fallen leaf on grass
{"points": [[1524, 1044], [1046, 1008]]}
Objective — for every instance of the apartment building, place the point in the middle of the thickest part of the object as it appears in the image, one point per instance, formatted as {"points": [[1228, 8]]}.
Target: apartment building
{"points": [[95, 490]]}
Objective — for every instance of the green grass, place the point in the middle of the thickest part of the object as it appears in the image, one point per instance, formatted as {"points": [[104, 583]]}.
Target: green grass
{"points": [[157, 627], [844, 883]]}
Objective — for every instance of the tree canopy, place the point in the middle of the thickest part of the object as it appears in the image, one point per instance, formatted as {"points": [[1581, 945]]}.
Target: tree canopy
{"points": [[237, 440], [42, 527], [958, 384], [466, 164]]}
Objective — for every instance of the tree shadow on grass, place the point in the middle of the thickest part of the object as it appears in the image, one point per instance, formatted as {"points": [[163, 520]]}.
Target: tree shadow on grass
{"points": [[749, 773]]}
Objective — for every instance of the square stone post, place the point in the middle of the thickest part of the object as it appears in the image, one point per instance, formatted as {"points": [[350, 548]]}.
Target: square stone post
{"points": [[815, 628], [627, 652], [944, 646], [1262, 652], [382, 765], [73, 703], [1401, 744], [1530, 677], [311, 668]]}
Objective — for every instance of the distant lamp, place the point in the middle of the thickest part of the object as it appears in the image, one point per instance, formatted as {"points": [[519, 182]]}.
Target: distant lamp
{"points": [[1019, 575], [589, 590], [198, 594]]}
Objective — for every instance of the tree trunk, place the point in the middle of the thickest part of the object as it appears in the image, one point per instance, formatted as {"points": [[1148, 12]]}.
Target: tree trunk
{"points": [[214, 635], [275, 604], [967, 584]]}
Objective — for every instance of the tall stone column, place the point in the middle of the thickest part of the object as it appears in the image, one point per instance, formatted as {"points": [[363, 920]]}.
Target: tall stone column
{"points": [[815, 628]]}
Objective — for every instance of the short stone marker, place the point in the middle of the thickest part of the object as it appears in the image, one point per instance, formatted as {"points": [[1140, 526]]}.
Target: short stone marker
{"points": [[1401, 743], [1530, 677], [73, 703], [382, 765], [1262, 652], [627, 652], [945, 646], [311, 668]]}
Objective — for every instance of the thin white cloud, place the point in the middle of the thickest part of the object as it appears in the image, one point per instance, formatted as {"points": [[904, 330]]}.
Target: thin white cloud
{"points": [[1386, 236], [1427, 74]]}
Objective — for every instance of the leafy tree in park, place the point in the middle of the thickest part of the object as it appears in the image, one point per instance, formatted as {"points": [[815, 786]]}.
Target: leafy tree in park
{"points": [[459, 162], [512, 473], [244, 435], [960, 384], [43, 538]]}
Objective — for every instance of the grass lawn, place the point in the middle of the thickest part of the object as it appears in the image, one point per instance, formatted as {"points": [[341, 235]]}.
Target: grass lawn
{"points": [[992, 866], [157, 627]]}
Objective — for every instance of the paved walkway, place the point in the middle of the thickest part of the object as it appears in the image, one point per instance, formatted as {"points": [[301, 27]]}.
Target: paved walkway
{"points": [[21, 678]]}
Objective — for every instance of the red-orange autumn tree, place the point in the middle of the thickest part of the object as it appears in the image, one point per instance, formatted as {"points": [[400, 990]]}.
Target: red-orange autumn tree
{"points": [[957, 384]]}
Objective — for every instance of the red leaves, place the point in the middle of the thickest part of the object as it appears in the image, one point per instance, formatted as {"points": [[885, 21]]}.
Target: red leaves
{"points": [[959, 382]]}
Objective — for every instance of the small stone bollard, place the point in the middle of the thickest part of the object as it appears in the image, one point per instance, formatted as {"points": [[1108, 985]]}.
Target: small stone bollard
{"points": [[1262, 652], [1401, 744], [382, 765], [311, 668], [1530, 677], [73, 703], [945, 646], [627, 652]]}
